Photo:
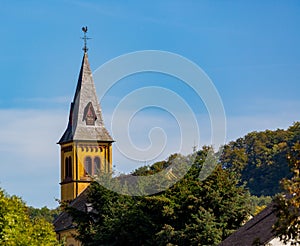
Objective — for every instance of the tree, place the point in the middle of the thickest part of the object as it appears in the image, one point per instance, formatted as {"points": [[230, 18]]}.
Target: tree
{"points": [[287, 205], [44, 212], [260, 158], [188, 213], [16, 228]]}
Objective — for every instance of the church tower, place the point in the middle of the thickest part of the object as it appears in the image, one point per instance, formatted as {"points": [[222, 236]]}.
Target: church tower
{"points": [[86, 146]]}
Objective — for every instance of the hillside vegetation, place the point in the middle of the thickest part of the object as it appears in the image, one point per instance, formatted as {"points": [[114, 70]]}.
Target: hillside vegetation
{"points": [[260, 158]]}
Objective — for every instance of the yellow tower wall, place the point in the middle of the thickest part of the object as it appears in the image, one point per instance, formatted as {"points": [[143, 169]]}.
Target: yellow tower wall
{"points": [[78, 153]]}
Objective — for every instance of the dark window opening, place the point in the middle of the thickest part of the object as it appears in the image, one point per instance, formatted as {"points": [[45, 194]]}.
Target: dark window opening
{"points": [[68, 168]]}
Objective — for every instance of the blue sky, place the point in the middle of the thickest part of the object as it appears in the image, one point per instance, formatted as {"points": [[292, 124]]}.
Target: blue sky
{"points": [[249, 49]]}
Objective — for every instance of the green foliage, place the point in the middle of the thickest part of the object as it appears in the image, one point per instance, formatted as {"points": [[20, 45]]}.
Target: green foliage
{"points": [[156, 167], [188, 213], [259, 203], [260, 158], [287, 206], [44, 212], [16, 227]]}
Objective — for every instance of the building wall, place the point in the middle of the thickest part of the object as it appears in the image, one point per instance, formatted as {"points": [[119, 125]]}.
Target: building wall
{"points": [[67, 237], [276, 242]]}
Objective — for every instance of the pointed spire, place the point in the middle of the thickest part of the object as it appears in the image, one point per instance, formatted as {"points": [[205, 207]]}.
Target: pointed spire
{"points": [[85, 120], [84, 75]]}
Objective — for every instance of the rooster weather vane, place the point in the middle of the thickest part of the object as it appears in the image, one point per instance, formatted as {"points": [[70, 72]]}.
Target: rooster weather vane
{"points": [[85, 38]]}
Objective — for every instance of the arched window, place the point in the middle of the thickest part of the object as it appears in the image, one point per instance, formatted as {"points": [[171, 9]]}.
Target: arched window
{"points": [[88, 166], [68, 167], [97, 165]]}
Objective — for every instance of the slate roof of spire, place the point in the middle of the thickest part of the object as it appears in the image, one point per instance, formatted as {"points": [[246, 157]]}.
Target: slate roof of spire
{"points": [[77, 128]]}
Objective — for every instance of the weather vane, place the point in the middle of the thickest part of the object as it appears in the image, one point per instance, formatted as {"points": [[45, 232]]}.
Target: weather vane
{"points": [[85, 38]]}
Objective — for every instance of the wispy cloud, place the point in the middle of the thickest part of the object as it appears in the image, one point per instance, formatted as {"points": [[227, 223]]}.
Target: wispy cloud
{"points": [[280, 116], [29, 162], [29, 155], [45, 100]]}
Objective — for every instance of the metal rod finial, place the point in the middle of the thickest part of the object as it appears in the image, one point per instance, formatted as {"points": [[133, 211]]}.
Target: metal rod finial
{"points": [[85, 38]]}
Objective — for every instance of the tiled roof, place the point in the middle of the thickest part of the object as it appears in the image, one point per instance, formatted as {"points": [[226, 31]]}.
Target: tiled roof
{"points": [[258, 229], [64, 220], [85, 94]]}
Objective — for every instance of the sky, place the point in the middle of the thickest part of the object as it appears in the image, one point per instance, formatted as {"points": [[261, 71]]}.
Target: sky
{"points": [[248, 49]]}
